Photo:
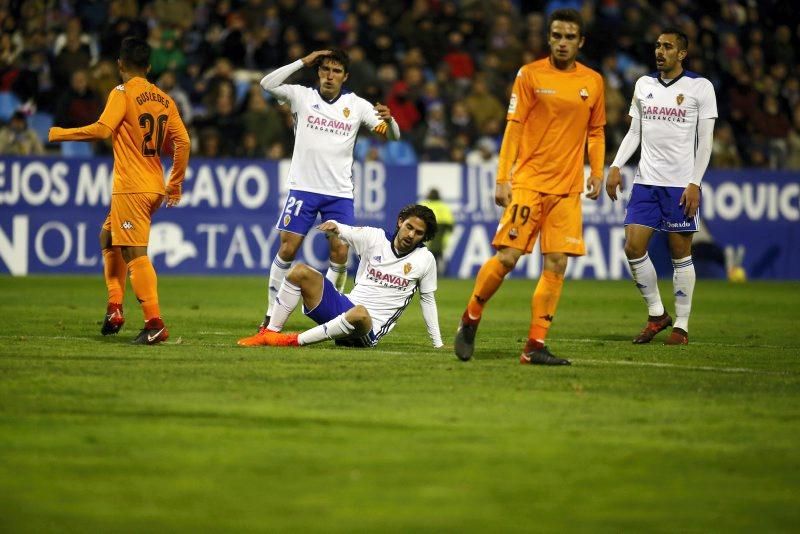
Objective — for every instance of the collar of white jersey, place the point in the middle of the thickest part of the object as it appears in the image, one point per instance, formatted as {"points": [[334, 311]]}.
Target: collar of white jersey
{"points": [[684, 72], [342, 92]]}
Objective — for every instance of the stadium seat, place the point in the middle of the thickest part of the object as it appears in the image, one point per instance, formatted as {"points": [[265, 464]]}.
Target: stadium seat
{"points": [[8, 105], [41, 123], [398, 153], [77, 149]]}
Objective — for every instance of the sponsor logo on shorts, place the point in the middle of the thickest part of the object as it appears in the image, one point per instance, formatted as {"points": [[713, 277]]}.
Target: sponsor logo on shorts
{"points": [[574, 240], [513, 233], [127, 225], [682, 224]]}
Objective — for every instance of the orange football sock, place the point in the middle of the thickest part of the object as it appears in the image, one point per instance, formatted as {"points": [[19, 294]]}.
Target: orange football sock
{"points": [[115, 271], [544, 303], [487, 282], [145, 286]]}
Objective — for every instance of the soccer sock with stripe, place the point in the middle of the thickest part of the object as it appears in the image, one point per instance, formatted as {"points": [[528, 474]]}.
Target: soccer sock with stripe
{"points": [[333, 329], [489, 279], [277, 272], [145, 286], [286, 301], [115, 271], [337, 274], [644, 275], [544, 303], [683, 279]]}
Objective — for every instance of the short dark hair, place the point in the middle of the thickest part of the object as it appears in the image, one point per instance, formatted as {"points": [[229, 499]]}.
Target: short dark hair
{"points": [[135, 52], [683, 40], [566, 15], [424, 213], [337, 55]]}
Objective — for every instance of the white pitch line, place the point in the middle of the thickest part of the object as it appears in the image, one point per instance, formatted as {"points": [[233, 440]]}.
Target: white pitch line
{"points": [[701, 343]]}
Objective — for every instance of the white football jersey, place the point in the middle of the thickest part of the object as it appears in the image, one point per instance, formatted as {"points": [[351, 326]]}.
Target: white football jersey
{"points": [[668, 113], [325, 137], [385, 282]]}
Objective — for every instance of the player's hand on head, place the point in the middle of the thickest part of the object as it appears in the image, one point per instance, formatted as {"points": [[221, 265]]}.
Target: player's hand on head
{"points": [[502, 194], [690, 200], [613, 182], [173, 195], [593, 184], [311, 58]]}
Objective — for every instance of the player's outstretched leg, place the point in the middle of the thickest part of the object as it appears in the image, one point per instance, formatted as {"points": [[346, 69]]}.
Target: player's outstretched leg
{"points": [[536, 353]]}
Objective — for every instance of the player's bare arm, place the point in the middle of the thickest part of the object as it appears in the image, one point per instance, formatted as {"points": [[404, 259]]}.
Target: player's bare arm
{"points": [[614, 182]]}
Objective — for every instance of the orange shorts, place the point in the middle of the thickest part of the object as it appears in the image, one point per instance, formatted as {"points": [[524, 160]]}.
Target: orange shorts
{"points": [[129, 217], [557, 217]]}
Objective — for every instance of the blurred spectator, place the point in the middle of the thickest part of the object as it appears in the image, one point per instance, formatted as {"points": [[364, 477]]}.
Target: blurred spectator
{"points": [[79, 105], [167, 82], [209, 143], [484, 153], [16, 139], [404, 109], [166, 55], [435, 144], [72, 57], [481, 104], [224, 119], [793, 142], [262, 120], [724, 154]]}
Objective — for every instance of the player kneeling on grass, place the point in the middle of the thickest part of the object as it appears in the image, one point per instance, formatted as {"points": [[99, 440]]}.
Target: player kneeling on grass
{"points": [[391, 269]]}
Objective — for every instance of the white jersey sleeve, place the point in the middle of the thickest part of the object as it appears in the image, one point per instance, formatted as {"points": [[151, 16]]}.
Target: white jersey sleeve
{"points": [[707, 102], [360, 238]]}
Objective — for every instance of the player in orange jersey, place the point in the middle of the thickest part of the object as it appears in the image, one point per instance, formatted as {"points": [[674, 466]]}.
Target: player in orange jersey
{"points": [[139, 117], [556, 105]]}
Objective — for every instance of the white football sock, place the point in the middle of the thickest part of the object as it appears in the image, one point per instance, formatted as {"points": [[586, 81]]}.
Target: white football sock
{"points": [[683, 280], [277, 272], [288, 297], [333, 329], [644, 275], [337, 274]]}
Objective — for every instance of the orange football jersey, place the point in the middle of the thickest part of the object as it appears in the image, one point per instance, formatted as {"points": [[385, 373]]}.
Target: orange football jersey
{"points": [[141, 116], [556, 110]]}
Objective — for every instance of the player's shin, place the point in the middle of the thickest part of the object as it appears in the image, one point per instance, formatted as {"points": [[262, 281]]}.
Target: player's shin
{"points": [[683, 280], [644, 276], [145, 286], [277, 272], [489, 279], [115, 271], [337, 274], [334, 329], [544, 304], [286, 301]]}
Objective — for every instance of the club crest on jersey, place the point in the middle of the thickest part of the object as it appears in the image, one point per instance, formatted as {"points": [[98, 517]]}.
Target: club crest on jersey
{"points": [[287, 219], [679, 99], [127, 225], [346, 112], [407, 268], [584, 93]]}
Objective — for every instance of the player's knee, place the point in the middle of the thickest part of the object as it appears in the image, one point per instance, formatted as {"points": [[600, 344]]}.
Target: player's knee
{"points": [[634, 251], [360, 318], [556, 263], [297, 273], [507, 258]]}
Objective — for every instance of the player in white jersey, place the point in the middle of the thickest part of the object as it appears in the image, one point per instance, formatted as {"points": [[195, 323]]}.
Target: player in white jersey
{"points": [[391, 269], [672, 114], [327, 120]]}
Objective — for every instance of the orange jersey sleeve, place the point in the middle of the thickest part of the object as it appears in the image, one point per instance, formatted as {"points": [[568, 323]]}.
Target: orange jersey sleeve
{"points": [[556, 110], [141, 116]]}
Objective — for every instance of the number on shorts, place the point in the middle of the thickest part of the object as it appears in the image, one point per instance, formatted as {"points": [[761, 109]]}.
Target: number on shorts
{"points": [[524, 213], [148, 123], [292, 202]]}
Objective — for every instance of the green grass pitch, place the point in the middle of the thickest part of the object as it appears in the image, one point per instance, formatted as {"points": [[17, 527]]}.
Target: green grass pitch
{"points": [[200, 435]]}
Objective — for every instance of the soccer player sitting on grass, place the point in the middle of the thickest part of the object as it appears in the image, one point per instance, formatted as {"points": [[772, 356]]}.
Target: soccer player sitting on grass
{"points": [[390, 270]]}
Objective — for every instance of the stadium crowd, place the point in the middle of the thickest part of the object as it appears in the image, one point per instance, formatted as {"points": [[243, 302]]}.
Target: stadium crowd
{"points": [[444, 67]]}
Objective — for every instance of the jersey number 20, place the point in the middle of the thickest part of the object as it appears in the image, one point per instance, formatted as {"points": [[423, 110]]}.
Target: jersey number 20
{"points": [[148, 123]]}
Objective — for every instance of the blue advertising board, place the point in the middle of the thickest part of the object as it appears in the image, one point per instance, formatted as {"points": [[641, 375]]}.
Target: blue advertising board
{"points": [[51, 211]]}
